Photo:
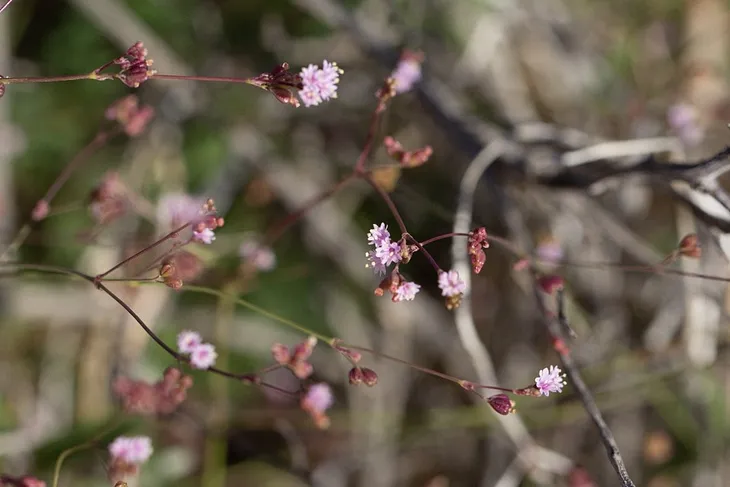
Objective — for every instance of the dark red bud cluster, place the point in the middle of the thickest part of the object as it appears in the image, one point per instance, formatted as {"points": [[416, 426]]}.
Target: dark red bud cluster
{"points": [[476, 244], [407, 159], [362, 375], [281, 83], [502, 404], [296, 357], [134, 66], [163, 397]]}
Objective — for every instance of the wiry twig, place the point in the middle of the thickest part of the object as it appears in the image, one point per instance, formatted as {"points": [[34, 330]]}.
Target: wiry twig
{"points": [[7, 4], [555, 328]]}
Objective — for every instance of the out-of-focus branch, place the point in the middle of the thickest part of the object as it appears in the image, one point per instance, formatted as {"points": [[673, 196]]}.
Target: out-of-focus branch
{"points": [[555, 328]]}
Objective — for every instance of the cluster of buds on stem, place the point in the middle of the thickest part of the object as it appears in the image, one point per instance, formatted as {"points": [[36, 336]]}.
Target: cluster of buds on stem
{"points": [[296, 357], [179, 268], [362, 375], [407, 159], [134, 67], [476, 244], [109, 200], [203, 229], [162, 397], [132, 117]]}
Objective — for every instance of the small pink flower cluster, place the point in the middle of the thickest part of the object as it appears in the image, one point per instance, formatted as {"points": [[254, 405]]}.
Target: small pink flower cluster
{"points": [[22, 481], [386, 251], [177, 209], [261, 257], [408, 71], [163, 397], [683, 119], [130, 115], [407, 159], [127, 454], [316, 401], [202, 355], [296, 357], [550, 380], [319, 85]]}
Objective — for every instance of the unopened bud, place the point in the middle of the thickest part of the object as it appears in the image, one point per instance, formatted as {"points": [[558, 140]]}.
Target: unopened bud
{"points": [[355, 376], [453, 302], [502, 404], [167, 270], [550, 284], [280, 353], [689, 246], [478, 258], [174, 283], [369, 377], [40, 211]]}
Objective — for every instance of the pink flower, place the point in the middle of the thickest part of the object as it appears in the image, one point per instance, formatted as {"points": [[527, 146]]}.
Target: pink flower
{"points": [[408, 72], [319, 85], [379, 235], [375, 263], [262, 257], [187, 341], [451, 284], [550, 380], [205, 236], [177, 209], [388, 253], [134, 450], [203, 356], [406, 291]]}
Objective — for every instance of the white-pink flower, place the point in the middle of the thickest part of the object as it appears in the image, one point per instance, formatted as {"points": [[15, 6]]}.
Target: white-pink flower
{"points": [[262, 257], [550, 380], [318, 398], [375, 263], [684, 121], [205, 236], [378, 235], [406, 291], [177, 209], [451, 284], [388, 253], [134, 450], [187, 341], [319, 85], [406, 74], [203, 356]]}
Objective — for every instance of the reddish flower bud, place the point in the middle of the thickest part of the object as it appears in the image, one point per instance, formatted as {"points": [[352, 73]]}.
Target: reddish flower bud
{"points": [[2, 88], [40, 211], [280, 353], [369, 377], [550, 284], [579, 477], [521, 265], [689, 246], [478, 258], [502, 404], [355, 376], [173, 283]]}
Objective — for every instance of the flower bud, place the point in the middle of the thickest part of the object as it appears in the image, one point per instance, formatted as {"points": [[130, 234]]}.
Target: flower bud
{"points": [[280, 353], [369, 377], [689, 246], [502, 404], [355, 376], [550, 284]]}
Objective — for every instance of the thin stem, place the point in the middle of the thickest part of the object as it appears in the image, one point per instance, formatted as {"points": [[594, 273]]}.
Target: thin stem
{"points": [[70, 451], [170, 235], [425, 252], [388, 201], [48, 79], [425, 370], [210, 79], [261, 311], [571, 370], [367, 148], [278, 230], [444, 236], [5, 6]]}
